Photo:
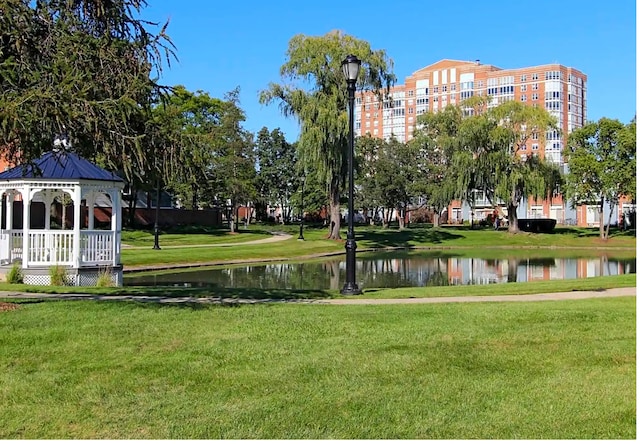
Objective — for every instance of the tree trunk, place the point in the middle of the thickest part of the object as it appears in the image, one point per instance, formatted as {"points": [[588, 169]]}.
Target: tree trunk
{"points": [[436, 218], [385, 218], [601, 217], [334, 212], [611, 209], [231, 217], [401, 214], [133, 204], [513, 218]]}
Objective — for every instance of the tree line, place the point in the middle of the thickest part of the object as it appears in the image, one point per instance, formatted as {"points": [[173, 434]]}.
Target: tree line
{"points": [[90, 70]]}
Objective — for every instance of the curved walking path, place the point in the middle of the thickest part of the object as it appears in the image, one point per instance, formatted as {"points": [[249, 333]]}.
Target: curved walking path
{"points": [[276, 236]]}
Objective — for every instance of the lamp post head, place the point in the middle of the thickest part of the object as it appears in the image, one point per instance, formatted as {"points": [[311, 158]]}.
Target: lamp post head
{"points": [[351, 68]]}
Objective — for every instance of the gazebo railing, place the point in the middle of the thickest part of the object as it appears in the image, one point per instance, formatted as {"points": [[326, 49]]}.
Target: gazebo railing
{"points": [[50, 247], [96, 247]]}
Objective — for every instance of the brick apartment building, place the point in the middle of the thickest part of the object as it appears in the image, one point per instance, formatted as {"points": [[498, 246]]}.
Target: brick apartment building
{"points": [[558, 89]]}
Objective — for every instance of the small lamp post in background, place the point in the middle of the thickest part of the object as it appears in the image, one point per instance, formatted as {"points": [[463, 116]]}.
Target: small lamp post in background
{"points": [[156, 227], [351, 68], [301, 236]]}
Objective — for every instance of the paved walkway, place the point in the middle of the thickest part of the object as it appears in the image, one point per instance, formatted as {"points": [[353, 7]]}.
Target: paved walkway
{"points": [[609, 293], [276, 236]]}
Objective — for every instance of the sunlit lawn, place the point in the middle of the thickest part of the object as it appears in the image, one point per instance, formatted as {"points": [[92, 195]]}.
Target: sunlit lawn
{"points": [[545, 370]]}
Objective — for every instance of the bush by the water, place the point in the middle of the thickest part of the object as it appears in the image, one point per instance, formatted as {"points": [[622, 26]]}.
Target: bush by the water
{"points": [[537, 225]]}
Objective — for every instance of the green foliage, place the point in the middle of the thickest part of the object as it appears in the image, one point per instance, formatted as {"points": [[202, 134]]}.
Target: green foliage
{"points": [[278, 176], [387, 174], [602, 164], [80, 68], [15, 274], [58, 275], [320, 101], [183, 132], [479, 150]]}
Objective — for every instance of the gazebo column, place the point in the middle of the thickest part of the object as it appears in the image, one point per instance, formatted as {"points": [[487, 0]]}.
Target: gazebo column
{"points": [[116, 224], [48, 196], [10, 198], [26, 218], [77, 201], [91, 201]]}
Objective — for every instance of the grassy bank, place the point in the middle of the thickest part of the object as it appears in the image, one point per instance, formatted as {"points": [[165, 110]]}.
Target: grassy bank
{"points": [[368, 238], [96, 370]]}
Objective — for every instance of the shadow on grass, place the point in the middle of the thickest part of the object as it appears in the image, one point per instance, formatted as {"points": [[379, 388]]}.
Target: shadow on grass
{"points": [[192, 297], [405, 238]]}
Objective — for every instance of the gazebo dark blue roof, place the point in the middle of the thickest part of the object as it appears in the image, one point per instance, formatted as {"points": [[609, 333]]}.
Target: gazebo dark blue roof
{"points": [[60, 165]]}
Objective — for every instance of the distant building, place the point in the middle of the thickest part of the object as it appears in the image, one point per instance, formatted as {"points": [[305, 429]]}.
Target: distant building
{"points": [[559, 89]]}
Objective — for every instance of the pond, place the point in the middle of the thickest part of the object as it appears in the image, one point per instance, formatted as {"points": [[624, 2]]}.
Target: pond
{"points": [[388, 271]]}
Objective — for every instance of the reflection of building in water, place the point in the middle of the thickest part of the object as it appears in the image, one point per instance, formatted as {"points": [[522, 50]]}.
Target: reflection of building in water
{"points": [[466, 271]]}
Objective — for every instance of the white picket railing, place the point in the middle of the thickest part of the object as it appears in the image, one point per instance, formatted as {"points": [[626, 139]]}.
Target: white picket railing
{"points": [[50, 247]]}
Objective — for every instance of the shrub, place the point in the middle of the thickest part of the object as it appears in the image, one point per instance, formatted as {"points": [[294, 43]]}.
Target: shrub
{"points": [[15, 274], [58, 275], [537, 225], [104, 278]]}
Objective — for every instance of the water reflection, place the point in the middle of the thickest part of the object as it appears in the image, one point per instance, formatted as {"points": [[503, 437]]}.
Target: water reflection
{"points": [[391, 272]]}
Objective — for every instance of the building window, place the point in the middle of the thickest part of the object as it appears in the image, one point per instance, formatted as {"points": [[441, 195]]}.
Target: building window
{"points": [[534, 147], [534, 96], [523, 98], [534, 76], [444, 88], [535, 87], [435, 90], [453, 87], [410, 93], [410, 110], [523, 78], [523, 88]]}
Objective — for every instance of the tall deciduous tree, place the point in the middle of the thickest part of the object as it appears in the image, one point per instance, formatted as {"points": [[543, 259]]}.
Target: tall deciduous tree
{"points": [[277, 178], [235, 157], [190, 120], [80, 67], [602, 165], [319, 101], [387, 174]]}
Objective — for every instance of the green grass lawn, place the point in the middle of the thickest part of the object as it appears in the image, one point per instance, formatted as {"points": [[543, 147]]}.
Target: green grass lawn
{"points": [[116, 370]]}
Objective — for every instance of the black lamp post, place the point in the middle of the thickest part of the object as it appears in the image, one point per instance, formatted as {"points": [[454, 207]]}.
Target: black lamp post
{"points": [[301, 236], [350, 68]]}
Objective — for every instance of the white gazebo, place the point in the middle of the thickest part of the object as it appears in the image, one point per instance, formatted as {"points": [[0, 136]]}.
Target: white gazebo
{"points": [[84, 250]]}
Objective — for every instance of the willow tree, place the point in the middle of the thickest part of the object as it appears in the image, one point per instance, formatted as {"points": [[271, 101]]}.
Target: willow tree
{"points": [[82, 68], [484, 151], [517, 177], [314, 91]]}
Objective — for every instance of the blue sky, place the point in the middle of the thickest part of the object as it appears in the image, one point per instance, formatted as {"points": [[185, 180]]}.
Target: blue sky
{"points": [[224, 44]]}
